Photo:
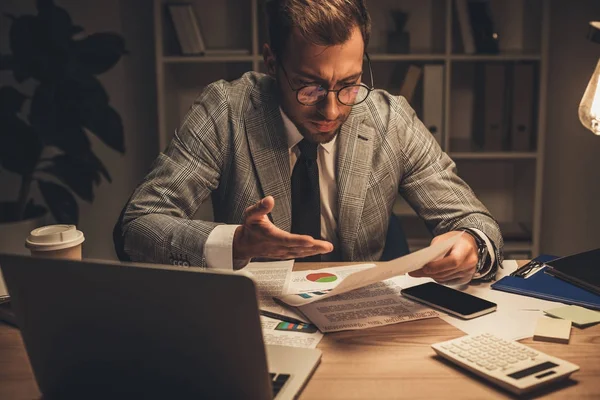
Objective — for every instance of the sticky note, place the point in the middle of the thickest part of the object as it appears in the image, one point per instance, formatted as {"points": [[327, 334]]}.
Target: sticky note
{"points": [[578, 315], [552, 330]]}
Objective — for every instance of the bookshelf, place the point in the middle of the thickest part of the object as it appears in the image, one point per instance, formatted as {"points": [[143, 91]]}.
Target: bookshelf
{"points": [[508, 182]]}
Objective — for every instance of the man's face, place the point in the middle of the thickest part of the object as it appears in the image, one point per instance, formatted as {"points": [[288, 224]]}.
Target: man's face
{"points": [[331, 67]]}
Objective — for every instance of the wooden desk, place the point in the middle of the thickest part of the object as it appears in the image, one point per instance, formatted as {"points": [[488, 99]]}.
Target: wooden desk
{"points": [[388, 362]]}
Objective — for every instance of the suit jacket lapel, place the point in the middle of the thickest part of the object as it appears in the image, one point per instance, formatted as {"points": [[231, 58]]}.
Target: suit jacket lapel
{"points": [[268, 147], [354, 153]]}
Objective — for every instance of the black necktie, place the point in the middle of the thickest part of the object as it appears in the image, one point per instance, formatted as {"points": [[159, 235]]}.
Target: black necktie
{"points": [[306, 199]]}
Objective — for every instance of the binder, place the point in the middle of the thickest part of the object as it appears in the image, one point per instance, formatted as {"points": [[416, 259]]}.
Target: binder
{"points": [[433, 100], [547, 287], [523, 87], [462, 12]]}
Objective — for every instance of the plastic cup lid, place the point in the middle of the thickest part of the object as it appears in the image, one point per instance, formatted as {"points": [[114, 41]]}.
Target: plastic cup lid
{"points": [[54, 237]]}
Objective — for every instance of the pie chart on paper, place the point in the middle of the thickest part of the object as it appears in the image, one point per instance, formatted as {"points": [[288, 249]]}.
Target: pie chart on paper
{"points": [[321, 277]]}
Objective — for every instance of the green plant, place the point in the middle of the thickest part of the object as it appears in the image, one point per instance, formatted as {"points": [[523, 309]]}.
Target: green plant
{"points": [[68, 101]]}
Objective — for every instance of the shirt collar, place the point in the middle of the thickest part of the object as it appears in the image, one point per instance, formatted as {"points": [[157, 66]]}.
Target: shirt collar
{"points": [[294, 136]]}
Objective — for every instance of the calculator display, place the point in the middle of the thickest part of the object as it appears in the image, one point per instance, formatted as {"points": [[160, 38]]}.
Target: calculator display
{"points": [[532, 370]]}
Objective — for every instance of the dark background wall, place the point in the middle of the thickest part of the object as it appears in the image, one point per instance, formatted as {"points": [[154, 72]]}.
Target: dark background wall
{"points": [[571, 211]]}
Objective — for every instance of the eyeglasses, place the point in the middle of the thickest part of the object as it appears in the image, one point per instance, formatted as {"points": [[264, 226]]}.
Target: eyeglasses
{"points": [[349, 95]]}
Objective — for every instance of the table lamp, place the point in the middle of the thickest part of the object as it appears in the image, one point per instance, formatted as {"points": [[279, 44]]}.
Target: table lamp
{"points": [[589, 108]]}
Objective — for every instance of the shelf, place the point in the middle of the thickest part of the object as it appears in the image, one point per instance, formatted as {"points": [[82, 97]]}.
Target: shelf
{"points": [[406, 57], [495, 57], [501, 155], [207, 59]]}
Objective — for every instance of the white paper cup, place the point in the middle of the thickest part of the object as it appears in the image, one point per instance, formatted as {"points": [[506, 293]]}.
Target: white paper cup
{"points": [[56, 241]]}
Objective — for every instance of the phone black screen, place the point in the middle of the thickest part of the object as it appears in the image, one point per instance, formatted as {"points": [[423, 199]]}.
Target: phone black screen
{"points": [[448, 298]]}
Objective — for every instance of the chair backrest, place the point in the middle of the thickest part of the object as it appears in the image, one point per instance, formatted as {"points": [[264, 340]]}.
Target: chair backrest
{"points": [[396, 244], [118, 240]]}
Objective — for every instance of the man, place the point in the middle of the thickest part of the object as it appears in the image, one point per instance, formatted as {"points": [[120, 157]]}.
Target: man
{"points": [[304, 162]]}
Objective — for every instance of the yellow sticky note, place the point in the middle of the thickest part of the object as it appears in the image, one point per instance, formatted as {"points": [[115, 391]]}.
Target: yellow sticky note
{"points": [[579, 315], [552, 330]]}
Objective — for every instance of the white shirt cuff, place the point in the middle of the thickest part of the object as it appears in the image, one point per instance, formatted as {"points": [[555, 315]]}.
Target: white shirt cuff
{"points": [[218, 248], [490, 250]]}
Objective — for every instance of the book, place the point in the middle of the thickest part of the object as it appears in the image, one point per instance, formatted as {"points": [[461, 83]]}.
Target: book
{"points": [[464, 24], [433, 100], [180, 17], [409, 84], [189, 33]]}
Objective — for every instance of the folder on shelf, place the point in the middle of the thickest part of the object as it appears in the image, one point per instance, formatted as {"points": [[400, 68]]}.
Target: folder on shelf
{"points": [[490, 116], [433, 100], [409, 84], [522, 124], [545, 286]]}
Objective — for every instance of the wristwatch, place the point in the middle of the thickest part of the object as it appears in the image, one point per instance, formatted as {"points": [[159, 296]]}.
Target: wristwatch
{"points": [[482, 250]]}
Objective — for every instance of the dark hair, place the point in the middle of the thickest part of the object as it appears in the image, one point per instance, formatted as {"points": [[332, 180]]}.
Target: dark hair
{"points": [[320, 22]]}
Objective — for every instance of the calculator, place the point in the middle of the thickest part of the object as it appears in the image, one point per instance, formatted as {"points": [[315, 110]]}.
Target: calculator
{"points": [[507, 363]]}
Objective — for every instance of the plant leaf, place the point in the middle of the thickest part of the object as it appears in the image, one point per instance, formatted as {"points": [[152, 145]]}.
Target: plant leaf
{"points": [[107, 125], [76, 173], [84, 95], [11, 100], [20, 147], [54, 116], [60, 201], [99, 52], [7, 62]]}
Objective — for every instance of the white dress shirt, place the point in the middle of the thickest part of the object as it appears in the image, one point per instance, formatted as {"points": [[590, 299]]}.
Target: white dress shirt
{"points": [[218, 248]]}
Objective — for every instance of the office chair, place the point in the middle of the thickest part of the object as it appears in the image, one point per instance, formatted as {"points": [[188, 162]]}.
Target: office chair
{"points": [[396, 244], [118, 241]]}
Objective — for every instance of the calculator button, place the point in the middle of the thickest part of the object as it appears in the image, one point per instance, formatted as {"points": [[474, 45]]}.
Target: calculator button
{"points": [[490, 367], [522, 357], [501, 363], [511, 360], [463, 354]]}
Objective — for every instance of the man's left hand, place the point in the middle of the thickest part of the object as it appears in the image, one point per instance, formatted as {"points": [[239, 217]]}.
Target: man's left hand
{"points": [[458, 265]]}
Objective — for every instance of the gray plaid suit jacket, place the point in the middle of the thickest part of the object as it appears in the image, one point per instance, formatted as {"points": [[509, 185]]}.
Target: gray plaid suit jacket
{"points": [[232, 146]]}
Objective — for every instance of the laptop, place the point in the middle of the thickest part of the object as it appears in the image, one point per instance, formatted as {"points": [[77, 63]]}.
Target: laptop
{"points": [[101, 329]]}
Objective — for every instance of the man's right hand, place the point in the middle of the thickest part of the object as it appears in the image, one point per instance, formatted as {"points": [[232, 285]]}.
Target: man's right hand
{"points": [[259, 238]]}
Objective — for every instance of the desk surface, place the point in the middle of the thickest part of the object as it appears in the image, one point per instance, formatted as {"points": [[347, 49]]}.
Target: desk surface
{"points": [[393, 361]]}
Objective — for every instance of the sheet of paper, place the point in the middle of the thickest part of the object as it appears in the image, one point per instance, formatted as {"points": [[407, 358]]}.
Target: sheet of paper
{"points": [[381, 272], [322, 279], [580, 316], [272, 279], [287, 338], [375, 305], [514, 319]]}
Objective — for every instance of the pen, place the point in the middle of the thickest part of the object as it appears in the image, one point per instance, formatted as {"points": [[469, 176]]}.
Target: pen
{"points": [[281, 317]]}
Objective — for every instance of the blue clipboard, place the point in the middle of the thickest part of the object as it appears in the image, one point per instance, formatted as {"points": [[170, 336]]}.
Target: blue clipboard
{"points": [[547, 287]]}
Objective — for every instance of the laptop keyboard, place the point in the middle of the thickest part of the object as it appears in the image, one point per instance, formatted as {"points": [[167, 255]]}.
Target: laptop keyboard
{"points": [[277, 382]]}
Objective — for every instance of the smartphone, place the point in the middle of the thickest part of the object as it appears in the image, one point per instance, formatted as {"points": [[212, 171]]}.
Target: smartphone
{"points": [[450, 300]]}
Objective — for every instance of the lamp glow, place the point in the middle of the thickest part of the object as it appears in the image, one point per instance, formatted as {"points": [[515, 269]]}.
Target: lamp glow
{"points": [[589, 108]]}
